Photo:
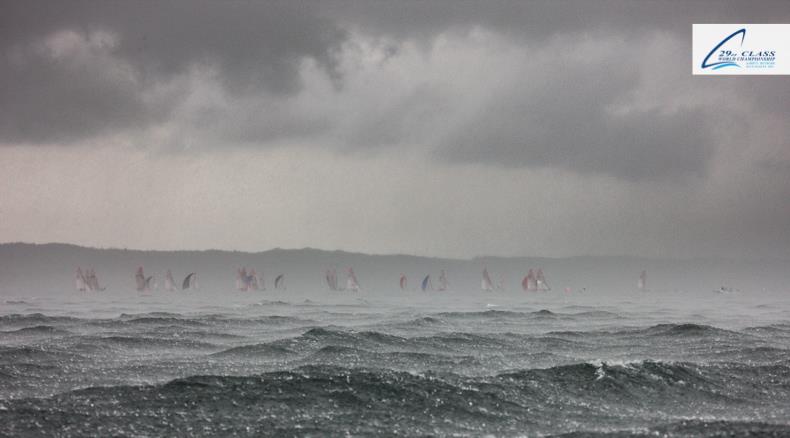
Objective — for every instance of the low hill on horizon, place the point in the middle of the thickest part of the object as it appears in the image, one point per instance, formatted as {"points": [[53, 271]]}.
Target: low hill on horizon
{"points": [[49, 268]]}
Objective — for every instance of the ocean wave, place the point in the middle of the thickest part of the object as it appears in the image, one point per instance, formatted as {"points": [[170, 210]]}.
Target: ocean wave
{"points": [[688, 329], [484, 314], [768, 330], [267, 350], [442, 350], [332, 400], [597, 314], [34, 319], [538, 314], [162, 320], [139, 342], [42, 330], [35, 355], [693, 428]]}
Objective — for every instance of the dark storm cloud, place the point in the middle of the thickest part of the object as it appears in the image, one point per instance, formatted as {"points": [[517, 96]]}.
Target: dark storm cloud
{"points": [[43, 98], [255, 48]]}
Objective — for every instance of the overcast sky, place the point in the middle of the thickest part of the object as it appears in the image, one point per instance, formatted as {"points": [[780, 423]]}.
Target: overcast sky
{"points": [[443, 128]]}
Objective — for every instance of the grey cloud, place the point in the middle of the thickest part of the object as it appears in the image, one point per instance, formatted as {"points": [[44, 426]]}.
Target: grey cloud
{"points": [[565, 122], [47, 99], [410, 117], [543, 19], [255, 48]]}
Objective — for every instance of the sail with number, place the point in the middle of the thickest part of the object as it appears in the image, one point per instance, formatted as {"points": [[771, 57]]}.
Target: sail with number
{"points": [[443, 281], [190, 282], [486, 284], [426, 283], [351, 281]]}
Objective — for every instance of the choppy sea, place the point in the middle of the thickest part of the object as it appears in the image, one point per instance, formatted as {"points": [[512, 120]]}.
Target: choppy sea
{"points": [[415, 364]]}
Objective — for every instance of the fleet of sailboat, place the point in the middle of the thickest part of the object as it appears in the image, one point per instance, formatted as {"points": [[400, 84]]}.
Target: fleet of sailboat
{"points": [[249, 280]]}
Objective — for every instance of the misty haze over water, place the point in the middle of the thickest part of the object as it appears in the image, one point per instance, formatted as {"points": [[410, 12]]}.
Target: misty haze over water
{"points": [[677, 358]]}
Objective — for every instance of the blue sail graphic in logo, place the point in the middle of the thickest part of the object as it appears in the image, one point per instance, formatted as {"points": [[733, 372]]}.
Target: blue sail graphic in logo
{"points": [[722, 64]]}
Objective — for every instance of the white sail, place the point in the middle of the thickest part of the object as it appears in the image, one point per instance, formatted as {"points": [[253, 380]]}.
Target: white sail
{"points": [[92, 280], [531, 281], [540, 281], [79, 281], [252, 280], [331, 279], [486, 284], [351, 281], [142, 283], [642, 283], [443, 281], [240, 274]]}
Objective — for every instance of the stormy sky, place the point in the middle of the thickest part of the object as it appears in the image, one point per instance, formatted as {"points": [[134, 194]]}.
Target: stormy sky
{"points": [[442, 128]]}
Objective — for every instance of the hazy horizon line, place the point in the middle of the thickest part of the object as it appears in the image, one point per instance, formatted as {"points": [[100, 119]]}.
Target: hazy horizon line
{"points": [[359, 253]]}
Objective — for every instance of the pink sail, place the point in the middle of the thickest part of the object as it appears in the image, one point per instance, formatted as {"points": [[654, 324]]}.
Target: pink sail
{"points": [[170, 284]]}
